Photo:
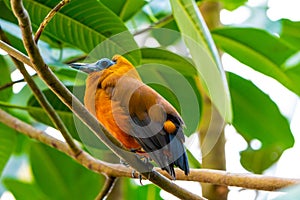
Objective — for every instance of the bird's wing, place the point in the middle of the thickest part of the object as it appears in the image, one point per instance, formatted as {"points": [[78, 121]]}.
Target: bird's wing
{"points": [[148, 114]]}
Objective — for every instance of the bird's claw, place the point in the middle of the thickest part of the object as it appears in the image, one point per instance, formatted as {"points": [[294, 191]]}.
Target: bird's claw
{"points": [[139, 176]]}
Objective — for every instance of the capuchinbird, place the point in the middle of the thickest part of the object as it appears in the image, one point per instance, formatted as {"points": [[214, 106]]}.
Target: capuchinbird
{"points": [[135, 114]]}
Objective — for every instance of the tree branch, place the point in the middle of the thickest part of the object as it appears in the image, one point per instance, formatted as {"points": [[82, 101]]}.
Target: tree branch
{"points": [[15, 53], [248, 181], [79, 58], [157, 24], [41, 98], [48, 18], [212, 176], [75, 105], [107, 188], [7, 85]]}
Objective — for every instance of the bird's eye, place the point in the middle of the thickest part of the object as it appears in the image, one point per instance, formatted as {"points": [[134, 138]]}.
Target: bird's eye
{"points": [[104, 63]]}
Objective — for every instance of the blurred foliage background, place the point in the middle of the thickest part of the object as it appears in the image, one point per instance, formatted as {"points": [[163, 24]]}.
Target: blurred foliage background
{"points": [[266, 47]]}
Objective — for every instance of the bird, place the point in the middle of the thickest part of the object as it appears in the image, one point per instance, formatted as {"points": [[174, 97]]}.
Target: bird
{"points": [[134, 113]]}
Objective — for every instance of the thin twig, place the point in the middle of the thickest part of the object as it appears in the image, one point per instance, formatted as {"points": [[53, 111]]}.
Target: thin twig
{"points": [[107, 188], [8, 105], [41, 98], [75, 105], [79, 58], [7, 85], [219, 177], [157, 24], [48, 18]]}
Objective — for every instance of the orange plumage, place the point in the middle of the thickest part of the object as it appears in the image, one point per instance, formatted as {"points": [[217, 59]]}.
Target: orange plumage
{"points": [[135, 114]]}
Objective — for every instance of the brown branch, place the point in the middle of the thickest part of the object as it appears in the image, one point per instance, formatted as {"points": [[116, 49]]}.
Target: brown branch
{"points": [[107, 188], [79, 58], [85, 159], [248, 181], [244, 180], [48, 18], [41, 98], [213, 176], [75, 105], [7, 85], [157, 24], [15, 53]]}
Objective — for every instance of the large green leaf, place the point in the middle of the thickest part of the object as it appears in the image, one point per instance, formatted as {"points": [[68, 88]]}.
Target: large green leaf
{"points": [[8, 137], [5, 78], [7, 16], [261, 51], [124, 9], [204, 54], [290, 32], [167, 58], [6, 13], [55, 171], [77, 129], [232, 4], [175, 78], [14, 41], [23, 190], [21, 98], [84, 25], [256, 117]]}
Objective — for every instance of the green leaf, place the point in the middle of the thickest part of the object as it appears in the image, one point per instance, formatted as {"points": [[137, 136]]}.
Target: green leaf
{"points": [[55, 171], [204, 54], [8, 137], [23, 190], [124, 9], [159, 70], [85, 25], [68, 76], [6, 13], [232, 4], [135, 191], [165, 36], [38, 113], [21, 98], [77, 129], [15, 41], [256, 117], [290, 32], [167, 58], [5, 78], [259, 50], [193, 162]]}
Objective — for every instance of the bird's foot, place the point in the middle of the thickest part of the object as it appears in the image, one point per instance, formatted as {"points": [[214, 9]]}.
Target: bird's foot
{"points": [[139, 176]]}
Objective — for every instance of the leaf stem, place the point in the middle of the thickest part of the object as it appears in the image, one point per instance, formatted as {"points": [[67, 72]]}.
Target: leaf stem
{"points": [[7, 105]]}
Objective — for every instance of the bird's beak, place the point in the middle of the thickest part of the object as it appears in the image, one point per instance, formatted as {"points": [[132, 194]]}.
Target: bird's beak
{"points": [[93, 67], [85, 67]]}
